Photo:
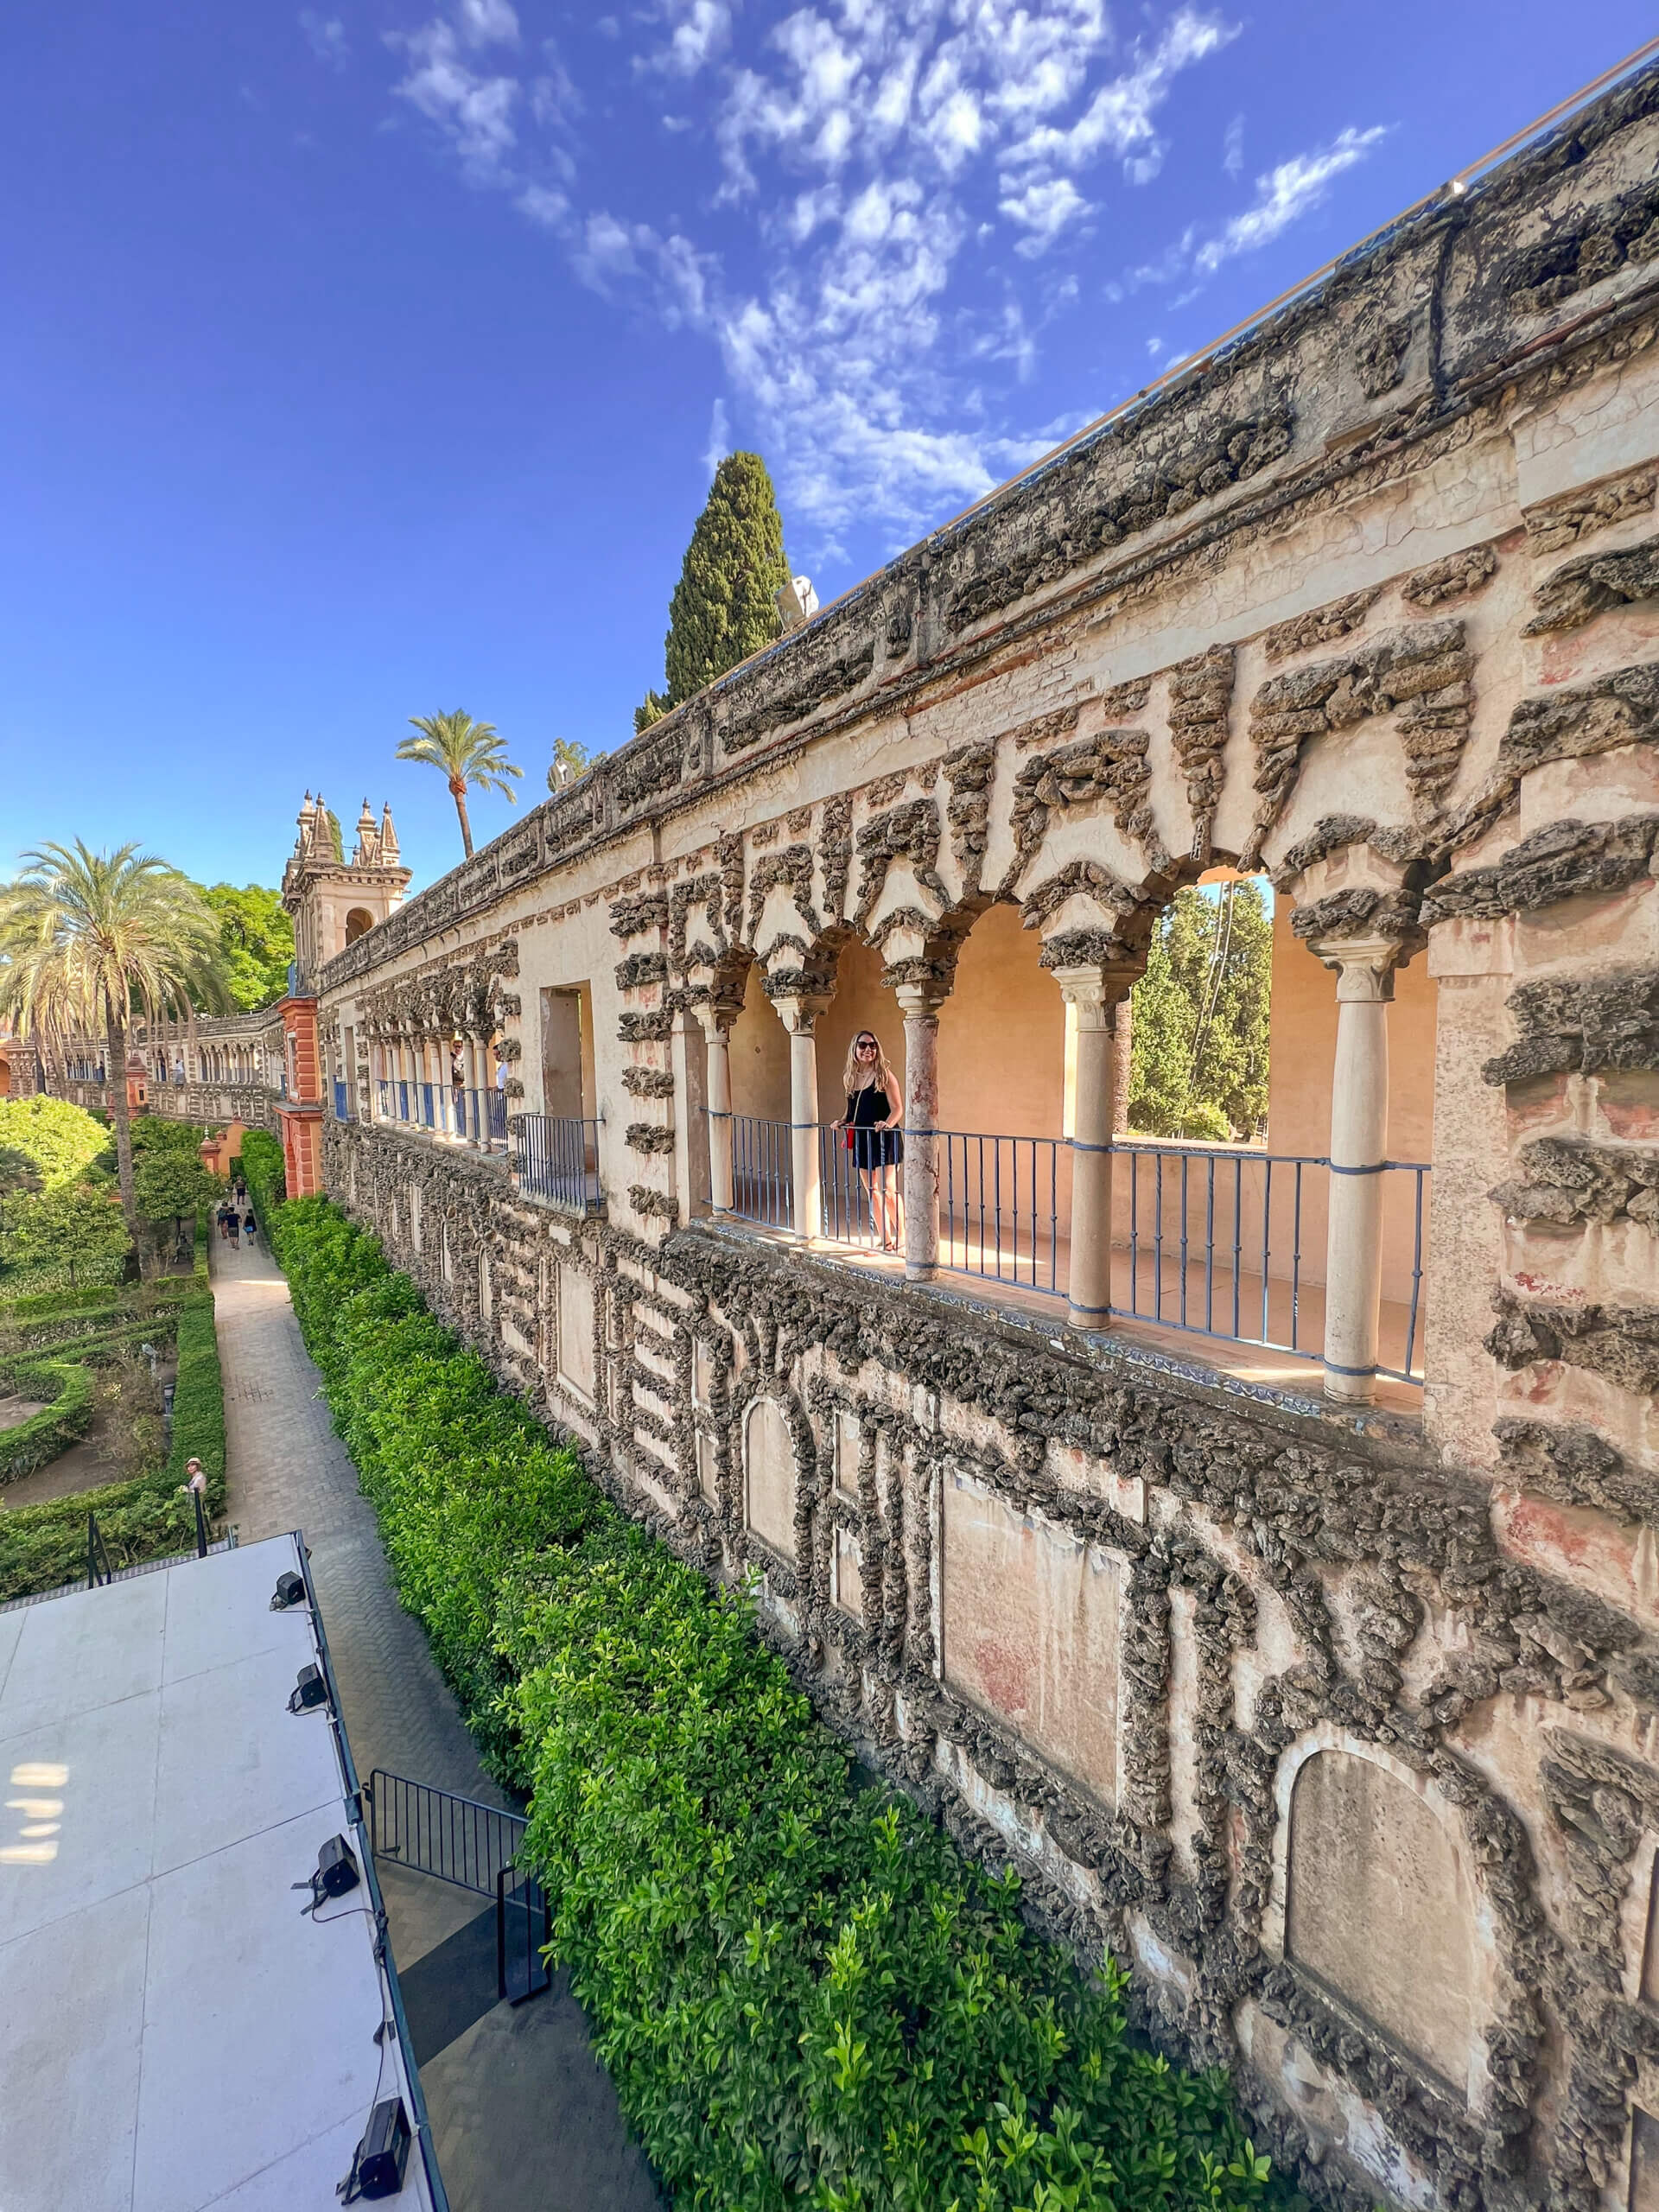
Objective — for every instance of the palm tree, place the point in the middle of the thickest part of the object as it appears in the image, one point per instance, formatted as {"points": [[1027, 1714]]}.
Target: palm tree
{"points": [[86, 935], [468, 753]]}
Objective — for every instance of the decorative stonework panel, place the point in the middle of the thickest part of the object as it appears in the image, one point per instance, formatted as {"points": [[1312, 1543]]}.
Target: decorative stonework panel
{"points": [[850, 1578], [576, 1331], [769, 1475], [1031, 1629], [1380, 1906]]}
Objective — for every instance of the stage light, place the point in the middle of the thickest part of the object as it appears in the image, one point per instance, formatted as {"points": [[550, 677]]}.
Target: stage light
{"points": [[378, 2166], [290, 1590], [309, 1690], [336, 1874]]}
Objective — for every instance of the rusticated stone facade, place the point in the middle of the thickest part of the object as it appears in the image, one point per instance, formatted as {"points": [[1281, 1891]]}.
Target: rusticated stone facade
{"points": [[1338, 1726]]}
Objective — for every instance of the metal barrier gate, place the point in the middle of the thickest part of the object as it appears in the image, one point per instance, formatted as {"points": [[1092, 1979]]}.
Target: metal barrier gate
{"points": [[473, 1845]]}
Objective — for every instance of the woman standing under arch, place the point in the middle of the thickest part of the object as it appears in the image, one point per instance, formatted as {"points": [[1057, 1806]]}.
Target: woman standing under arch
{"points": [[875, 1108]]}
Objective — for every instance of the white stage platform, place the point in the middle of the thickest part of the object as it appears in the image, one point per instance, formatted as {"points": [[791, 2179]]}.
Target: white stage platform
{"points": [[173, 2034]]}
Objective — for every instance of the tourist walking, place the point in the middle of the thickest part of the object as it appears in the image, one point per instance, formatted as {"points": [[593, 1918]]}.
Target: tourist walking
{"points": [[875, 1107]]}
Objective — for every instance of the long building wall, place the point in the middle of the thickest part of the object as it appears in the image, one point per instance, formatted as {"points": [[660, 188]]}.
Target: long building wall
{"points": [[1338, 1726]]}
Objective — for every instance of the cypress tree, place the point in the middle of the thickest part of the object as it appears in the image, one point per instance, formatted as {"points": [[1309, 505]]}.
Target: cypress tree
{"points": [[722, 608]]}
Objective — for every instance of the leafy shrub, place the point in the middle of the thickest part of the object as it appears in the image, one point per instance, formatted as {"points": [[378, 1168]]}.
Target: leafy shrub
{"points": [[804, 1993], [261, 1162], [63, 1140], [42, 1546], [64, 1389]]}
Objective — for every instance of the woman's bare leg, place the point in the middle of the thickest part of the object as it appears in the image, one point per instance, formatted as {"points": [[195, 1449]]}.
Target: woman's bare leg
{"points": [[870, 1178]]}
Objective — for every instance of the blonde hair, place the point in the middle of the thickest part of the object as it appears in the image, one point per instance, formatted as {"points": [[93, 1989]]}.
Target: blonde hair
{"points": [[852, 1074]]}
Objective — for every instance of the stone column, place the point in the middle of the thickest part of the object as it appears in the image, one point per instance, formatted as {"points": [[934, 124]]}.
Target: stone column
{"points": [[1122, 1045], [1094, 991], [1359, 1143], [477, 1130], [717, 1030], [919, 1003], [801, 1018]]}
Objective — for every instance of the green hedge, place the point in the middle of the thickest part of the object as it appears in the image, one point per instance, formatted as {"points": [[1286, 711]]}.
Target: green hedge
{"points": [[43, 1546], [263, 1173], [65, 1388], [804, 1994]]}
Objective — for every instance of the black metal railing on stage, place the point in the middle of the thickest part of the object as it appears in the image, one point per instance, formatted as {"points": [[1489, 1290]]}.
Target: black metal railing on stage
{"points": [[457, 1839]]}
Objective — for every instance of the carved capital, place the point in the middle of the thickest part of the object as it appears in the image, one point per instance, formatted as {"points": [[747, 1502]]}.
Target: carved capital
{"points": [[1096, 988], [921, 998], [1365, 965]]}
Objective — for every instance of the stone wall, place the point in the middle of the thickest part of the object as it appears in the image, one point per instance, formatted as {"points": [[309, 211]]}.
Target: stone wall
{"points": [[1338, 1728]]}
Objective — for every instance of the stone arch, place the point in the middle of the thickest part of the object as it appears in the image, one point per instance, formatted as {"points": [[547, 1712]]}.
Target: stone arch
{"points": [[1377, 1900], [358, 922]]}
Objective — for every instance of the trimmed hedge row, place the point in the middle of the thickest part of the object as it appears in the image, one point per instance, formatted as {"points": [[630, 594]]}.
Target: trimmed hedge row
{"points": [[804, 1994], [64, 1389], [43, 1546]]}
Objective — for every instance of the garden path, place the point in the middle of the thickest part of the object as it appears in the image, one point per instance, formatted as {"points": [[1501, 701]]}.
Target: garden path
{"points": [[522, 2114]]}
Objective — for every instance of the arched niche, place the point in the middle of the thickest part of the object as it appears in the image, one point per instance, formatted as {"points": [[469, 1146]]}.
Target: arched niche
{"points": [[358, 922], [1376, 1898], [760, 1055], [769, 1475]]}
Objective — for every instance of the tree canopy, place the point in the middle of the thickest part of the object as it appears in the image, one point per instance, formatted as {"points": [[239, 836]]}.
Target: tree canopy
{"points": [[69, 1227], [61, 1141], [85, 937], [1199, 1058], [256, 937], [723, 609], [468, 754]]}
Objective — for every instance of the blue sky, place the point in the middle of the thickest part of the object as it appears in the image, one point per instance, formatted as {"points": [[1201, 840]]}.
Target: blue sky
{"points": [[371, 358]]}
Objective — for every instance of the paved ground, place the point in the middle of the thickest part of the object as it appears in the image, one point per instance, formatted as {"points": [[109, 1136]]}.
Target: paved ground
{"points": [[525, 2118]]}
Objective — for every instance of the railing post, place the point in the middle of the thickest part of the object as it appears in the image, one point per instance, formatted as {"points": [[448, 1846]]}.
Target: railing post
{"points": [[1095, 989], [801, 1016], [1359, 1143], [717, 1029], [920, 1004]]}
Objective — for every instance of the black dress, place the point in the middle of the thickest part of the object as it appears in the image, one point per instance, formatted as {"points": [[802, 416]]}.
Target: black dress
{"points": [[873, 1148]]}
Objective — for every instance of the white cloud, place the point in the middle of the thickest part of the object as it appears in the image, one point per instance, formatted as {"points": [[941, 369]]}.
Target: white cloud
{"points": [[1232, 146], [862, 146], [720, 438], [488, 23], [326, 37], [1292, 190], [474, 112], [1118, 119], [1044, 210]]}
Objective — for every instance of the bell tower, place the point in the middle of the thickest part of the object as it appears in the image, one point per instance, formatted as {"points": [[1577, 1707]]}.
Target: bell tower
{"points": [[334, 902]]}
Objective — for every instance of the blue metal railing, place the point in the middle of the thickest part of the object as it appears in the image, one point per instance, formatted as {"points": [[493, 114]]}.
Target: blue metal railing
{"points": [[763, 1179], [1218, 1244], [555, 1159]]}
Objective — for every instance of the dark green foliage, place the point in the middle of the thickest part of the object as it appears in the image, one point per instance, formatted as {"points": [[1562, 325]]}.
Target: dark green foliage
{"points": [[804, 1993], [255, 936], [43, 1546], [261, 1162], [64, 1390], [169, 1183], [652, 709], [1199, 1059], [722, 608], [76, 1227]]}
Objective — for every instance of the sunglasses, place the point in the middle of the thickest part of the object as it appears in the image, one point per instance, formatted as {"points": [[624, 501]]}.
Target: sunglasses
{"points": [[866, 1045]]}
